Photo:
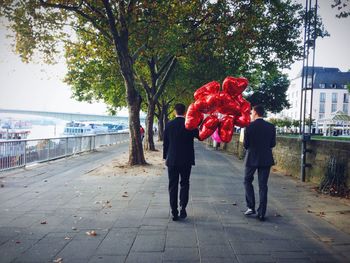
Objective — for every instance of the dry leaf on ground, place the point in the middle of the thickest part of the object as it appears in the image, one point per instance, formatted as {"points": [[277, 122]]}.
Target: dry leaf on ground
{"points": [[91, 233]]}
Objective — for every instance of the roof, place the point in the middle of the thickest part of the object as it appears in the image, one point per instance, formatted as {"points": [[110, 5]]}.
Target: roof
{"points": [[316, 70], [330, 77], [338, 116]]}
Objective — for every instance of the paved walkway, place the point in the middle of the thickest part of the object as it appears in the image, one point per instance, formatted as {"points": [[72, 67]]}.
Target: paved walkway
{"points": [[45, 212]]}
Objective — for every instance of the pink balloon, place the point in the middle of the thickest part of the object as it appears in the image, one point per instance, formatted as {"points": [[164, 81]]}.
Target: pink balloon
{"points": [[215, 136]]}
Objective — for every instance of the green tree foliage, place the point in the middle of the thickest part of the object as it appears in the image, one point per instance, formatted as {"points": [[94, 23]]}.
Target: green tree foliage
{"points": [[119, 47], [270, 91]]}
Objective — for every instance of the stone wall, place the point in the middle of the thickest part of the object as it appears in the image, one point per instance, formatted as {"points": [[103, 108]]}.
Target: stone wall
{"points": [[287, 154]]}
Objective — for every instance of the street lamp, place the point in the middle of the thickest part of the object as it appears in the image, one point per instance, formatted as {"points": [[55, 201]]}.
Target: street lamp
{"points": [[306, 86]]}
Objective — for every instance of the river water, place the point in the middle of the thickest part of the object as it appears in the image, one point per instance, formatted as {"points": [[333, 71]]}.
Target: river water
{"points": [[45, 127]]}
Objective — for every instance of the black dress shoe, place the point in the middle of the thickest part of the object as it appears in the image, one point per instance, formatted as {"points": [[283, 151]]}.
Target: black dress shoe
{"points": [[183, 213], [261, 218], [175, 217]]}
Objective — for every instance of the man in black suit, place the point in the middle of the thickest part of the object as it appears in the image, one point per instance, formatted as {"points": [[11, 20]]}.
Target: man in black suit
{"points": [[259, 139], [179, 154]]}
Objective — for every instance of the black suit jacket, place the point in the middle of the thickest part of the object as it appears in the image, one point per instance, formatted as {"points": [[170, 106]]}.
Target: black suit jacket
{"points": [[259, 139], [178, 143]]}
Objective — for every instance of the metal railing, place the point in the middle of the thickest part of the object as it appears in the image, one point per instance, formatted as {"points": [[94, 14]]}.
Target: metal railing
{"points": [[19, 153]]}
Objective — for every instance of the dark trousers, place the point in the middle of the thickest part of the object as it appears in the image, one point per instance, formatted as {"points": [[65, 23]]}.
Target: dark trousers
{"points": [[174, 173], [263, 176]]}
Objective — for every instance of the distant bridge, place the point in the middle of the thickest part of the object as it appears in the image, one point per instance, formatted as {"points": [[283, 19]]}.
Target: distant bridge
{"points": [[68, 116]]}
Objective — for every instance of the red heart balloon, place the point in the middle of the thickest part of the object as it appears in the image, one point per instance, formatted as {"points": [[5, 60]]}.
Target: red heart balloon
{"points": [[245, 106], [243, 120], [209, 88], [208, 104], [193, 117], [228, 105], [208, 127], [234, 86], [226, 128]]}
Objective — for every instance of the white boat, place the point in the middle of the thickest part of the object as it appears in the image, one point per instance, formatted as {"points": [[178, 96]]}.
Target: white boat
{"points": [[14, 130], [81, 128]]}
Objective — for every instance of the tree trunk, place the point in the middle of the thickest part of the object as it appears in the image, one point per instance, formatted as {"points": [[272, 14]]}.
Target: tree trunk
{"points": [[161, 127], [166, 114], [149, 142], [136, 155]]}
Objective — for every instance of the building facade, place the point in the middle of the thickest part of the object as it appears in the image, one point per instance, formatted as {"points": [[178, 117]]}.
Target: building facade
{"points": [[330, 94]]}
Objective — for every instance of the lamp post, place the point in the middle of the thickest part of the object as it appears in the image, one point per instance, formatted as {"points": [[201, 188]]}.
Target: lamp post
{"points": [[307, 82]]}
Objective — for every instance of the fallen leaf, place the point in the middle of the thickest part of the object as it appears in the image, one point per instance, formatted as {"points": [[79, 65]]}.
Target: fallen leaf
{"points": [[277, 215], [25, 186], [234, 203], [326, 239], [18, 242], [91, 233], [45, 181], [309, 211], [67, 238], [58, 260], [43, 222], [74, 228], [341, 212], [125, 195]]}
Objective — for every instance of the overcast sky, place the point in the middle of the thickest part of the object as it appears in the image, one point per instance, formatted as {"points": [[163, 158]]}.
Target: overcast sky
{"points": [[40, 87]]}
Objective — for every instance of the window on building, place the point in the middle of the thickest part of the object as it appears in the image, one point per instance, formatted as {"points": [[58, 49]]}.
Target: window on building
{"points": [[322, 108], [334, 97], [333, 86], [346, 108], [322, 97], [322, 85], [346, 98], [321, 116], [334, 107]]}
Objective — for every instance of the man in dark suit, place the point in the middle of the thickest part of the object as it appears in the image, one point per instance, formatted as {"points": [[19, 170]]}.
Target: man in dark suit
{"points": [[179, 154], [259, 139]]}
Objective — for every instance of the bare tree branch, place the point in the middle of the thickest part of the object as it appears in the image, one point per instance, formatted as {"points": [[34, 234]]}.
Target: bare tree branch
{"points": [[165, 78], [165, 65], [79, 12], [138, 51]]}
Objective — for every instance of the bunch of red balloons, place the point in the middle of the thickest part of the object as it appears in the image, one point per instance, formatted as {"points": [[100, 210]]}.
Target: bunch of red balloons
{"points": [[225, 108]]}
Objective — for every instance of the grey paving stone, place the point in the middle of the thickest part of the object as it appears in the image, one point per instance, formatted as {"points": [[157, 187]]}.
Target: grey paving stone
{"points": [[255, 259], [218, 260], [79, 249], [149, 243], [292, 260], [117, 242], [216, 251], [249, 248], [289, 255], [280, 246], [43, 251], [183, 238], [107, 259], [181, 254], [139, 228], [14, 248], [137, 257]]}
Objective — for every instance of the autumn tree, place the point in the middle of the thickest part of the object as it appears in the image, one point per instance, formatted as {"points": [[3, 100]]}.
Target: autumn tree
{"points": [[343, 7]]}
